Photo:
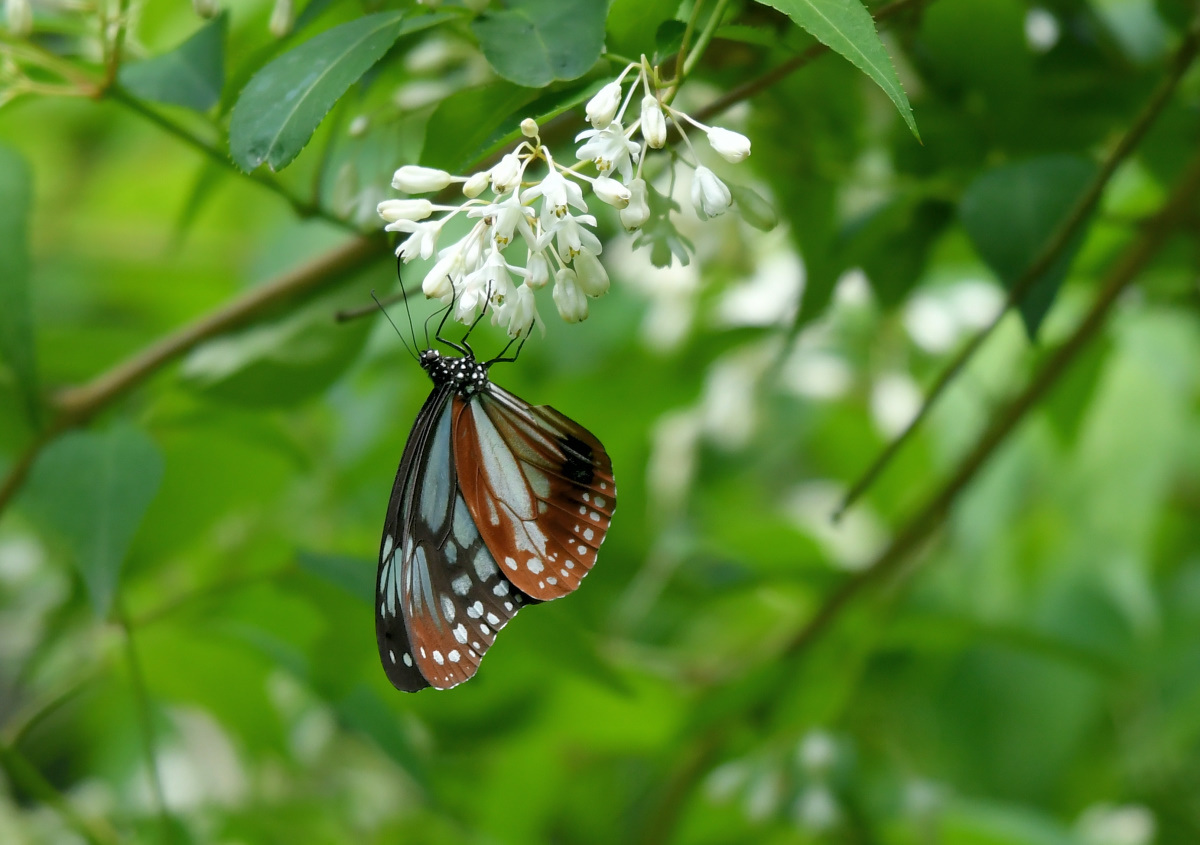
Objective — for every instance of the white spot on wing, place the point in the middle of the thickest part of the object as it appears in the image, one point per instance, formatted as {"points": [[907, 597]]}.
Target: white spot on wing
{"points": [[501, 589], [388, 544], [461, 585], [460, 633], [454, 655], [407, 659], [493, 619], [438, 659], [599, 501], [534, 565], [588, 534], [447, 608], [475, 610]]}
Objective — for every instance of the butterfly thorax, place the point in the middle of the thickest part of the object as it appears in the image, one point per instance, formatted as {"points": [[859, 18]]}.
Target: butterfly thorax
{"points": [[465, 374]]}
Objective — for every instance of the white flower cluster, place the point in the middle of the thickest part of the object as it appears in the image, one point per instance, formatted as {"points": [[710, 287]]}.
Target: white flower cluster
{"points": [[547, 218]]}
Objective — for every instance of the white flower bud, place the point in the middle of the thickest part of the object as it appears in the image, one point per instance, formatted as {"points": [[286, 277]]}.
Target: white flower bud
{"points": [[475, 184], [637, 212], [572, 304], [537, 269], [413, 179], [529, 127], [18, 16], [602, 108], [359, 126], [710, 196], [611, 191], [522, 312], [393, 210], [283, 17], [439, 282], [203, 8], [731, 146], [593, 278], [505, 173], [654, 124]]}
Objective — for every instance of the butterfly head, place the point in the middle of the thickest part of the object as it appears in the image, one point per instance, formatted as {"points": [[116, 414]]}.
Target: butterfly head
{"points": [[467, 375]]}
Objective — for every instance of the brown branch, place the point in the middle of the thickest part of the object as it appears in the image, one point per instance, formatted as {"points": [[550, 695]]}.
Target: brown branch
{"points": [[1050, 253], [777, 74], [75, 406], [918, 529]]}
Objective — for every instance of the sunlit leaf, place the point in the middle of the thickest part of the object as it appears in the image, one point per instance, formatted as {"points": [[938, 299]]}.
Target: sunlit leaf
{"points": [[90, 490], [535, 42], [191, 75]]}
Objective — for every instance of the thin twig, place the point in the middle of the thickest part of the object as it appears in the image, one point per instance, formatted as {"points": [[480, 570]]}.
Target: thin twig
{"points": [[918, 528], [348, 314], [772, 77], [1050, 253], [76, 406], [302, 207], [23, 773]]}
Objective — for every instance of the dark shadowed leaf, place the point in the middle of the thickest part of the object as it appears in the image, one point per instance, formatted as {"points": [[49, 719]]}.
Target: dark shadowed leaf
{"points": [[1011, 212], [191, 75], [89, 490], [285, 101], [465, 123], [16, 312], [846, 27], [535, 42], [633, 23]]}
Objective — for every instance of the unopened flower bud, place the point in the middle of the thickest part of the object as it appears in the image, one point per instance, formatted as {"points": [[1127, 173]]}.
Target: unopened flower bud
{"points": [[413, 179], [18, 17], [475, 184], [654, 125], [611, 191], [538, 270], [572, 304], [637, 212], [592, 277], [283, 17], [731, 146], [393, 210], [529, 127], [710, 196], [602, 108]]}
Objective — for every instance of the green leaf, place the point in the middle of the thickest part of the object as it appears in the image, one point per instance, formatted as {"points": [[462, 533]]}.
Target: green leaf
{"points": [[91, 489], [284, 103], [535, 42], [846, 27], [633, 23], [660, 234], [467, 122], [892, 243], [191, 75], [1012, 211], [754, 208], [16, 312], [280, 363], [354, 575]]}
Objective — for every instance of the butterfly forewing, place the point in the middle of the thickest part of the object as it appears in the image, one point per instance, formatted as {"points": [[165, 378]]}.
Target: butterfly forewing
{"points": [[441, 597], [539, 487]]}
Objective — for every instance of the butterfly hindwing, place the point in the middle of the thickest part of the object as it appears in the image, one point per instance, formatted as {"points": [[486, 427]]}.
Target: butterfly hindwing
{"points": [[539, 487], [441, 597]]}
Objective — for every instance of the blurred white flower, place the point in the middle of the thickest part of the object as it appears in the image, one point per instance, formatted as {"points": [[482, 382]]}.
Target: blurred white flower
{"points": [[710, 196], [895, 400], [817, 752], [283, 17], [816, 809], [654, 123], [413, 179], [1107, 824], [731, 146], [571, 302], [18, 17]]}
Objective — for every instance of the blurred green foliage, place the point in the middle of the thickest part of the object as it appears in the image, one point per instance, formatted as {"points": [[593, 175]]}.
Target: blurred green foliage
{"points": [[186, 568]]}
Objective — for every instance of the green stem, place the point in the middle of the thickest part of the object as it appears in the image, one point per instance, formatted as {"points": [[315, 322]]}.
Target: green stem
{"points": [[683, 43], [301, 207], [702, 42]]}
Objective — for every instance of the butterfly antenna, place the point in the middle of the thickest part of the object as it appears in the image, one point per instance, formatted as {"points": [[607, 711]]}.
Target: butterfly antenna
{"points": [[407, 307], [500, 359], [398, 332], [486, 301]]}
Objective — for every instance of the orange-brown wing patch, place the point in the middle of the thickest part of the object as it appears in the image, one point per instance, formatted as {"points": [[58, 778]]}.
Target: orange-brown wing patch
{"points": [[539, 487]]}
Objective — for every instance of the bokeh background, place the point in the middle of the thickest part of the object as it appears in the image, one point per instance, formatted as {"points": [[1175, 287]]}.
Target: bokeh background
{"points": [[996, 647]]}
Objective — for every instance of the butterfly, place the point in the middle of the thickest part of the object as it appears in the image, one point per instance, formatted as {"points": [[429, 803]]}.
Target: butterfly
{"points": [[497, 504]]}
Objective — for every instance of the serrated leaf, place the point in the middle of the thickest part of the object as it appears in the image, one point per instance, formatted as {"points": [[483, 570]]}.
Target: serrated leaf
{"points": [[16, 312], [191, 75], [847, 28], [90, 490], [283, 104], [1012, 211], [535, 42]]}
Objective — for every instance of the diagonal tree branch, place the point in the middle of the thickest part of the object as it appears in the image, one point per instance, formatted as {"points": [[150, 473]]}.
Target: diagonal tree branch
{"points": [[693, 764], [1053, 249], [75, 406]]}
